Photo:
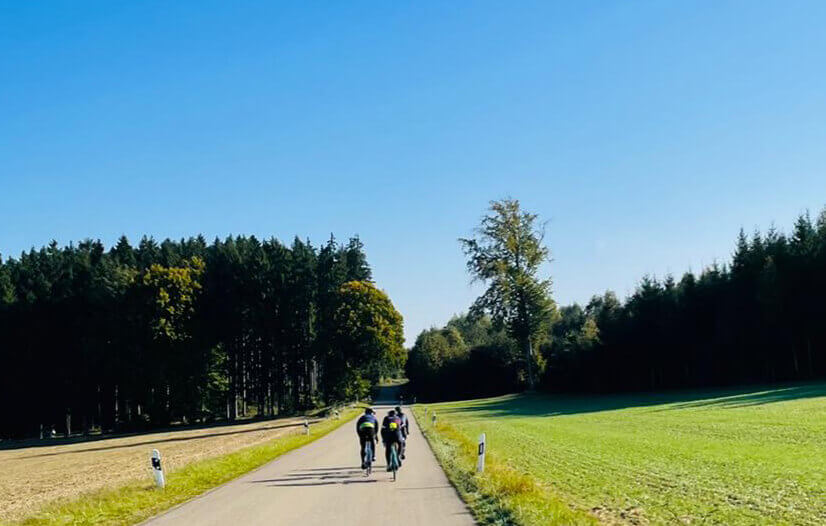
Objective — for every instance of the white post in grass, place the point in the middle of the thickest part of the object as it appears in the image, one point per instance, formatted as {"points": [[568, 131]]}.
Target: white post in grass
{"points": [[434, 418], [157, 470], [425, 411], [307, 426], [480, 462]]}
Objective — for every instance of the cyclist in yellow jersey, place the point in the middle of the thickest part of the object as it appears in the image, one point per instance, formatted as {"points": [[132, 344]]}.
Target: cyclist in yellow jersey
{"points": [[367, 430], [391, 433]]}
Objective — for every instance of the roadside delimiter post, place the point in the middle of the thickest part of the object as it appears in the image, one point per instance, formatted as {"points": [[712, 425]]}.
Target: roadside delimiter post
{"points": [[307, 426], [157, 470], [480, 462]]}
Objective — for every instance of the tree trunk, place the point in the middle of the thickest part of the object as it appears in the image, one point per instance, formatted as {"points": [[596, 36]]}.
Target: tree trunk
{"points": [[529, 362], [115, 413], [232, 395], [811, 362], [796, 365]]}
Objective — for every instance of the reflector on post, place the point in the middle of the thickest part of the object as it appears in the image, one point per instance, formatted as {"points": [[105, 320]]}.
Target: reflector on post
{"points": [[480, 462]]}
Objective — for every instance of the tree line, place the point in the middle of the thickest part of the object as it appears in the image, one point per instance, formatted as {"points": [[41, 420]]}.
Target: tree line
{"points": [[760, 318], [185, 331]]}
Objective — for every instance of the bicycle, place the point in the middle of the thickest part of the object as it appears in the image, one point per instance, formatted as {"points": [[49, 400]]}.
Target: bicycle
{"points": [[368, 458], [395, 464]]}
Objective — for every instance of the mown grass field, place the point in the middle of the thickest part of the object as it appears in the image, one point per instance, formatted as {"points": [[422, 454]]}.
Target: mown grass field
{"points": [[748, 456]]}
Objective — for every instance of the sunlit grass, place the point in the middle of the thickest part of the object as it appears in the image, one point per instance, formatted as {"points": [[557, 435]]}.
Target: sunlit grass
{"points": [[726, 457], [501, 495], [135, 502]]}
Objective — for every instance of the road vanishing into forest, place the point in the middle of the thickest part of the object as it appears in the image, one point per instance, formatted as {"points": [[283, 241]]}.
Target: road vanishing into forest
{"points": [[322, 484]]}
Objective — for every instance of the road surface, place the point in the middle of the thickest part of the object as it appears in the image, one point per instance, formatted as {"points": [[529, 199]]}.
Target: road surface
{"points": [[322, 484]]}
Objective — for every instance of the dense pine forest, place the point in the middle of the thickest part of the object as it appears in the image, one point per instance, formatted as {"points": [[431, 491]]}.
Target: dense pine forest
{"points": [[183, 331], [760, 318]]}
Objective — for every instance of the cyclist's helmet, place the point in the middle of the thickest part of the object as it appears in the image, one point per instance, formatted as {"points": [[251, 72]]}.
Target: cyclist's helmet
{"points": [[368, 411], [398, 410], [391, 413]]}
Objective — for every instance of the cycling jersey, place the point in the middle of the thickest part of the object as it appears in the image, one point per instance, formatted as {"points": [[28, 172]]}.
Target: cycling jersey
{"points": [[405, 424], [367, 424], [391, 429]]}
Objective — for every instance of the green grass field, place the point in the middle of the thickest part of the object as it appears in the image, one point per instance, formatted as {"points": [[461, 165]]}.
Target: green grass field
{"points": [[755, 456]]}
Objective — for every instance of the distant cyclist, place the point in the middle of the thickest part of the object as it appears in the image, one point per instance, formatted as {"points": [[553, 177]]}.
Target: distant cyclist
{"points": [[405, 429], [391, 434], [367, 428]]}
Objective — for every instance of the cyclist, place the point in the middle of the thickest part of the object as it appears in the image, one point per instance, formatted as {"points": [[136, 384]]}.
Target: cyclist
{"points": [[405, 429], [366, 427], [391, 433]]}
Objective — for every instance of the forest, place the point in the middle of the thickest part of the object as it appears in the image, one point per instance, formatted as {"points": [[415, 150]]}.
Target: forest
{"points": [[759, 318], [184, 331]]}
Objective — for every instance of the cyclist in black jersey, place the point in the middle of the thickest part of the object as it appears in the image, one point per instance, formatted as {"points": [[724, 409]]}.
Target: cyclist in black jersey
{"points": [[367, 430]]}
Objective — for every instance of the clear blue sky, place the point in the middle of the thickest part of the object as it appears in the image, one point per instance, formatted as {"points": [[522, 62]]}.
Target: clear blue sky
{"points": [[647, 133]]}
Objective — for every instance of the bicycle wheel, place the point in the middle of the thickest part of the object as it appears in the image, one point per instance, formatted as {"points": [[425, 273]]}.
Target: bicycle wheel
{"points": [[394, 461], [368, 458]]}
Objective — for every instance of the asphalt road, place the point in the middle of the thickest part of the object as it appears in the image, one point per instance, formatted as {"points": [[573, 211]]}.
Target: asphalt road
{"points": [[322, 484]]}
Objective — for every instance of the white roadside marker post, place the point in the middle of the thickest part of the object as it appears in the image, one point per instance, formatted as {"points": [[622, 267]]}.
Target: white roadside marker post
{"points": [[480, 462], [307, 426], [157, 470], [434, 418]]}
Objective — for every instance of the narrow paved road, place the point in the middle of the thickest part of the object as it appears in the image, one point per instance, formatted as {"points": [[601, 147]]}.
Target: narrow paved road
{"points": [[321, 484]]}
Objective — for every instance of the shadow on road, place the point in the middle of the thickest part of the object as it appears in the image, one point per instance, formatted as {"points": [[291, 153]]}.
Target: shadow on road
{"points": [[318, 477], [328, 483]]}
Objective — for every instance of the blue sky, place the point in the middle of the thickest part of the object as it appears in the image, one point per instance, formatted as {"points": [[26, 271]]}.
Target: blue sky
{"points": [[646, 133]]}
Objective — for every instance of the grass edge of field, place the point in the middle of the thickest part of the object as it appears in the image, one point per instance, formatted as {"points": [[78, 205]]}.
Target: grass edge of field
{"points": [[500, 495], [138, 501]]}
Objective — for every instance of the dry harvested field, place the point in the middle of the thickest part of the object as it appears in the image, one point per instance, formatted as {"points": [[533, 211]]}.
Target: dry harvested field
{"points": [[34, 476]]}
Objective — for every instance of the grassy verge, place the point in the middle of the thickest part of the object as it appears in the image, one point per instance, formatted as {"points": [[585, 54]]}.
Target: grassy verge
{"points": [[138, 501], [501, 495]]}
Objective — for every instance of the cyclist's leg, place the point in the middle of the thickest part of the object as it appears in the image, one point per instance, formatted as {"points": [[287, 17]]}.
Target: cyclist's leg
{"points": [[367, 454], [402, 446], [363, 444]]}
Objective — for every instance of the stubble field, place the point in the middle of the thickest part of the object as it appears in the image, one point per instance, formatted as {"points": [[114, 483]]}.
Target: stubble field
{"points": [[35, 476]]}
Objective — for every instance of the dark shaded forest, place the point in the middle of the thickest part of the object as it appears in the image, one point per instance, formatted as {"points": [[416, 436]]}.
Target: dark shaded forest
{"points": [[761, 318], [183, 331]]}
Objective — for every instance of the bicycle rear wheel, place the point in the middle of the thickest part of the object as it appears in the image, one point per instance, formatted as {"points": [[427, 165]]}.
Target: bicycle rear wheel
{"points": [[368, 459], [394, 461]]}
